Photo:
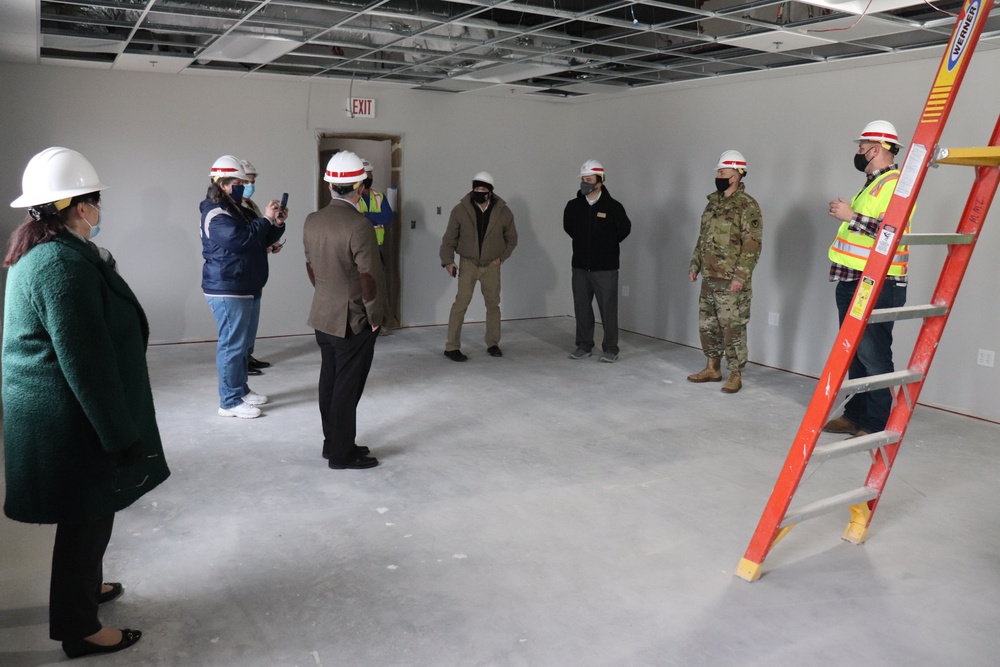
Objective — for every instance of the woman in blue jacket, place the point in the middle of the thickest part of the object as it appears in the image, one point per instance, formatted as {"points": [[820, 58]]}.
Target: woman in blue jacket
{"points": [[234, 244], [80, 434]]}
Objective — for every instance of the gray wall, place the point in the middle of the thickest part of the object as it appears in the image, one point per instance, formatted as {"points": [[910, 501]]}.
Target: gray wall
{"points": [[153, 137]]}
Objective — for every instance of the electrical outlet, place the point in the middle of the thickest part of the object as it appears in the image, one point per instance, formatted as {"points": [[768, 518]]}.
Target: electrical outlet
{"points": [[985, 358], [624, 290], [413, 224], [772, 319], [439, 210]]}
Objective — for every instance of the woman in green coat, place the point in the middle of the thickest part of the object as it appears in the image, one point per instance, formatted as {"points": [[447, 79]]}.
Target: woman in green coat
{"points": [[80, 434]]}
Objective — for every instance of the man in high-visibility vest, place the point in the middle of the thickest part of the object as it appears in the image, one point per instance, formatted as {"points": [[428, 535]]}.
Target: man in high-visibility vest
{"points": [[375, 205], [378, 208], [878, 145]]}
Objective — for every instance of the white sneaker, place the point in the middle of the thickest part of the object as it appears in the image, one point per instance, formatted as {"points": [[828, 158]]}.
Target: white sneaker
{"points": [[255, 399], [243, 411]]}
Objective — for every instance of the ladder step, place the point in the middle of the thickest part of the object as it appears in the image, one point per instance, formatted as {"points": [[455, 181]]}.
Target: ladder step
{"points": [[800, 514], [906, 313], [852, 445], [933, 238], [985, 156], [894, 379]]}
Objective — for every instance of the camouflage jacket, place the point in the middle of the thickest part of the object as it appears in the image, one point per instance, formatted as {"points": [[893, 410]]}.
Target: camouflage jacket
{"points": [[730, 238]]}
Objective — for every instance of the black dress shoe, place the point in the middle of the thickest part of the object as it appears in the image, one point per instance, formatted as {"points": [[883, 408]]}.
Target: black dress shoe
{"points": [[115, 592], [257, 363], [254, 371], [360, 450], [455, 355], [358, 463], [77, 648], [494, 351]]}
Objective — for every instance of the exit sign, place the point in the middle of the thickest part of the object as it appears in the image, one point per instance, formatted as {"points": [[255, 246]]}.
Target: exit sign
{"points": [[362, 108]]}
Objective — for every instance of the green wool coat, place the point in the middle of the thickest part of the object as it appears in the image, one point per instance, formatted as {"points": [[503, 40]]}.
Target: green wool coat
{"points": [[80, 435]]}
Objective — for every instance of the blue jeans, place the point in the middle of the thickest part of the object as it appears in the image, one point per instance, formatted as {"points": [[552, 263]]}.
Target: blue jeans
{"points": [[870, 410], [254, 320], [233, 316]]}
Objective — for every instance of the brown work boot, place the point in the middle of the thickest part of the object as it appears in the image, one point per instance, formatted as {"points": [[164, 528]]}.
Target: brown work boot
{"points": [[711, 372], [841, 425], [733, 384]]}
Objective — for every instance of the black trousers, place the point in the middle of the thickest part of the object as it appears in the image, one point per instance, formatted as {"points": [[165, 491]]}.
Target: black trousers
{"points": [[77, 574], [344, 370], [603, 285]]}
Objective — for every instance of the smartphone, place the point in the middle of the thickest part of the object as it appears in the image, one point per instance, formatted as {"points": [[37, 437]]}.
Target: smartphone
{"points": [[284, 200]]}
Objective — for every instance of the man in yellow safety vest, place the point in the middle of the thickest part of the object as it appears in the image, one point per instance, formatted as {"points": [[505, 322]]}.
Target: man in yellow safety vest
{"points": [[859, 221]]}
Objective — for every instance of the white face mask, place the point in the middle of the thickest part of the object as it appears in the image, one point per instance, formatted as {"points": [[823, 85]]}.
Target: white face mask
{"points": [[95, 229]]}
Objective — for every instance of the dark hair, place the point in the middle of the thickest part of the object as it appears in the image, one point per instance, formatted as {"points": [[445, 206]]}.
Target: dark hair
{"points": [[215, 193], [31, 232]]}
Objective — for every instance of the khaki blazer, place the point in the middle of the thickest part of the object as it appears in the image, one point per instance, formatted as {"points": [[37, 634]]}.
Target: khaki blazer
{"points": [[340, 247], [462, 236]]}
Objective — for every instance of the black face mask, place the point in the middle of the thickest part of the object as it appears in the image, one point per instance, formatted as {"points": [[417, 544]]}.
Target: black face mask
{"points": [[861, 162], [722, 184], [480, 197], [586, 188]]}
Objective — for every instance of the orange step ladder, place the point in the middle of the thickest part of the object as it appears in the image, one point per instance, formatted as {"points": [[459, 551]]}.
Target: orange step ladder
{"points": [[831, 389]]}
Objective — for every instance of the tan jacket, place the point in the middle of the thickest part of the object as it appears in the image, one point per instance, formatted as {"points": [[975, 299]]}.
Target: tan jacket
{"points": [[461, 235], [349, 282]]}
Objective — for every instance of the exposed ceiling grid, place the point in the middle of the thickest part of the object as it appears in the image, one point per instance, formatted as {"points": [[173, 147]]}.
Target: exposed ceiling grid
{"points": [[558, 48]]}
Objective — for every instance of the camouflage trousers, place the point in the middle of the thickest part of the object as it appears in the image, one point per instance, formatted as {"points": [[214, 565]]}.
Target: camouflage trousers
{"points": [[722, 322]]}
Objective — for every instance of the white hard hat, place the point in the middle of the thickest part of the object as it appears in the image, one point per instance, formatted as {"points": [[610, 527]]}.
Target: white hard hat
{"points": [[732, 160], [368, 165], [228, 166], [880, 131], [56, 174], [592, 168], [344, 168], [484, 177], [248, 168]]}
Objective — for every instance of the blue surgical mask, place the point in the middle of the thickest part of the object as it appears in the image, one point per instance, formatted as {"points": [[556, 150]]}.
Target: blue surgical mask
{"points": [[248, 190], [237, 193], [95, 229]]}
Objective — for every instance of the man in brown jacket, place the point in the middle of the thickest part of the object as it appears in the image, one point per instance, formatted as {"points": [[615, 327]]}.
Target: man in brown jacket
{"points": [[348, 306], [481, 229]]}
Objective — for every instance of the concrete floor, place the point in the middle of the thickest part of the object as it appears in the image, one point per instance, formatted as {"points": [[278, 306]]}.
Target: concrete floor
{"points": [[529, 510]]}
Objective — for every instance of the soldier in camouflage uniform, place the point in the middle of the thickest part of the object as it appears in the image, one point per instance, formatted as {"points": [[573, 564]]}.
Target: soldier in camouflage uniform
{"points": [[727, 251]]}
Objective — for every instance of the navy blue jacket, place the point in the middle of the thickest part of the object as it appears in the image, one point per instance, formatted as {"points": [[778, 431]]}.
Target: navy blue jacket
{"points": [[234, 245], [596, 229]]}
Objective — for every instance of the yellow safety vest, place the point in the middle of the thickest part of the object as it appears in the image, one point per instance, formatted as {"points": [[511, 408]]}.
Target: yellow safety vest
{"points": [[850, 248], [376, 207]]}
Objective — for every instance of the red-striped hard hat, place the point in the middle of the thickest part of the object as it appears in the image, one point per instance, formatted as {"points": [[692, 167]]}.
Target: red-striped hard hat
{"points": [[733, 160]]}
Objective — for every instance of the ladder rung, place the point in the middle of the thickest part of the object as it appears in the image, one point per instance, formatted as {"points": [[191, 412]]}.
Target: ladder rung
{"points": [[970, 157], [906, 313], [933, 238], [800, 514], [852, 445], [894, 379]]}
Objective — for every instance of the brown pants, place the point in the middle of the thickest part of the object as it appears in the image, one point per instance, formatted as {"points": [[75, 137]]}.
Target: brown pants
{"points": [[469, 272]]}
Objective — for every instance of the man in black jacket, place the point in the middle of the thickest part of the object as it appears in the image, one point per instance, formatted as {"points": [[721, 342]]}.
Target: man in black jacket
{"points": [[597, 224]]}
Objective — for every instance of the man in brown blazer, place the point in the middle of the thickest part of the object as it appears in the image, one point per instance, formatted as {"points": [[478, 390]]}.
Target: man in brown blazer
{"points": [[481, 229], [348, 306]]}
